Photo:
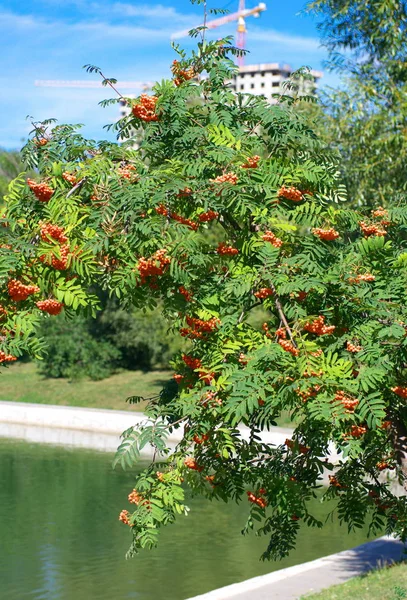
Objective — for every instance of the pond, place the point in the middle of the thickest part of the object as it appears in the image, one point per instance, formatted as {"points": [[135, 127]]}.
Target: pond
{"points": [[61, 538]]}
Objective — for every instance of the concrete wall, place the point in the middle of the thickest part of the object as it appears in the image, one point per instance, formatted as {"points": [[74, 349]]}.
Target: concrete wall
{"points": [[87, 427]]}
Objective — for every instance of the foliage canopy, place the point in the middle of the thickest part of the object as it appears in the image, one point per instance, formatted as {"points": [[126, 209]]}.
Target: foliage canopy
{"points": [[332, 280]]}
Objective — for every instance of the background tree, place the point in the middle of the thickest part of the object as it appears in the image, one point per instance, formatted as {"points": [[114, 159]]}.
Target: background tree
{"points": [[11, 165], [366, 119], [332, 280]]}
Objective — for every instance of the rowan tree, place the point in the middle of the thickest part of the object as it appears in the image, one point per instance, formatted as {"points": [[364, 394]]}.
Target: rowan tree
{"points": [[229, 204]]}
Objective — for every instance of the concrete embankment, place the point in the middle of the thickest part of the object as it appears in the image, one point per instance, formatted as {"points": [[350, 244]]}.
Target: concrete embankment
{"points": [[294, 582], [91, 428]]}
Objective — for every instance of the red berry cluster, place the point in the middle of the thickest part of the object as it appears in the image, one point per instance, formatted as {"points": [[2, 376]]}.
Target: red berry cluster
{"points": [[363, 277], [201, 439], [309, 393], [184, 193], [380, 212], [18, 291], [52, 307], [135, 498], [181, 75], [124, 517], [251, 163], [291, 444], [242, 359], [50, 231], [206, 377], [265, 328], [154, 266], [192, 363], [226, 178], [127, 172], [270, 237], [161, 210], [318, 327], [41, 142], [198, 327], [357, 431], [290, 193], [289, 347], [257, 499], [301, 296], [400, 391], [69, 177], [210, 215], [225, 250], [178, 377], [354, 348], [41, 191], [145, 108], [372, 229], [326, 234], [382, 465], [334, 482], [3, 312], [264, 293], [192, 464], [187, 295], [6, 357], [211, 397], [61, 264], [347, 401]]}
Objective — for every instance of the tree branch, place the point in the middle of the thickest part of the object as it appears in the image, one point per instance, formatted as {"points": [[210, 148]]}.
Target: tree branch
{"points": [[281, 314]]}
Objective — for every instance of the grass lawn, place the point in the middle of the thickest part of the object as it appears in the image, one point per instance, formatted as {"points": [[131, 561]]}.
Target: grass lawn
{"points": [[22, 382], [389, 583]]}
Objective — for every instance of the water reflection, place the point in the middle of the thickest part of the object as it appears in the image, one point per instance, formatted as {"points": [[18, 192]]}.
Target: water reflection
{"points": [[61, 540]]}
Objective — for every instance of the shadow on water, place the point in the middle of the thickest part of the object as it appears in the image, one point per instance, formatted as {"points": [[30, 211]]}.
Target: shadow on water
{"points": [[61, 538]]}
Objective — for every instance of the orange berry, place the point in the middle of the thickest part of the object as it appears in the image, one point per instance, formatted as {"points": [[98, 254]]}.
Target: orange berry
{"points": [[145, 108], [225, 250], [290, 193], [52, 307], [326, 234], [318, 327], [263, 293], [124, 517], [270, 237], [19, 292], [251, 163], [41, 191]]}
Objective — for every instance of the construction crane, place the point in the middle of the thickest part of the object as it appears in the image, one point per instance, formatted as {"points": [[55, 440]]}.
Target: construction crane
{"points": [[238, 16]]}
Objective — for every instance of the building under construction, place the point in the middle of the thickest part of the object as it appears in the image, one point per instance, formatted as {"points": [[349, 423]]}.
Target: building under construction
{"points": [[266, 79]]}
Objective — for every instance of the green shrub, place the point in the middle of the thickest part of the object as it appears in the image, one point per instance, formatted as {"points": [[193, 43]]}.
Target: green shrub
{"points": [[73, 352]]}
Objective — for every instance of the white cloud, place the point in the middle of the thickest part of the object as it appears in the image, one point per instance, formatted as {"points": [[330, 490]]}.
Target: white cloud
{"points": [[157, 11], [59, 27]]}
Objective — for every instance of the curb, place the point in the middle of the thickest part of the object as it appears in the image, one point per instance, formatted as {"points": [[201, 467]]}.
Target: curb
{"points": [[310, 577]]}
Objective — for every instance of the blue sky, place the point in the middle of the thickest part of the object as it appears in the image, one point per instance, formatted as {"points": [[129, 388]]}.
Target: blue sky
{"points": [[129, 40]]}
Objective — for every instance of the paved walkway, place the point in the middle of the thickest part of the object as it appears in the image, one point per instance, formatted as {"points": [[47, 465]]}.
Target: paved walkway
{"points": [[92, 428], [294, 582]]}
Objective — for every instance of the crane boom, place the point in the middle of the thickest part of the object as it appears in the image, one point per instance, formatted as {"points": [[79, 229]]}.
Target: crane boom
{"points": [[240, 14]]}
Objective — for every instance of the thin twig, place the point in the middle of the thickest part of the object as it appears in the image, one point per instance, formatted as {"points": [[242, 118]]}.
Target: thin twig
{"points": [[112, 86], [281, 314], [77, 186]]}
